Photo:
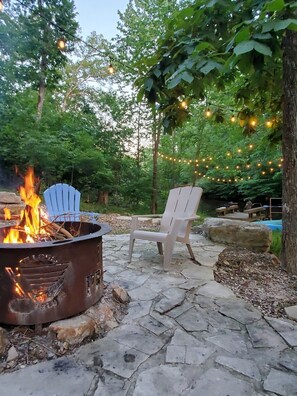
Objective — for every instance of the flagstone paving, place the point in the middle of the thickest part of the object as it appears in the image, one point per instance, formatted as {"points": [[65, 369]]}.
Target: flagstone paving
{"points": [[184, 335]]}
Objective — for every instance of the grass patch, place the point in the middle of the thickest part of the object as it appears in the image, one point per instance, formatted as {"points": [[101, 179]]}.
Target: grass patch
{"points": [[276, 245]]}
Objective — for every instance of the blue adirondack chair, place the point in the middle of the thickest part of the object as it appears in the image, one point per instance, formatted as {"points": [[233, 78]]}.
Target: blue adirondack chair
{"points": [[63, 204]]}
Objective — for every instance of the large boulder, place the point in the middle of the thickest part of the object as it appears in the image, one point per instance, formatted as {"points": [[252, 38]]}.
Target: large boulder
{"points": [[253, 236]]}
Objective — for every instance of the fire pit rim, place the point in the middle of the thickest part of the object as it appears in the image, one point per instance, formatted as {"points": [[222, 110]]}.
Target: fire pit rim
{"points": [[104, 229]]}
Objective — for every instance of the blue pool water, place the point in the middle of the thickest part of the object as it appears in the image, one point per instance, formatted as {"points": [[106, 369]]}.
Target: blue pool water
{"points": [[272, 224]]}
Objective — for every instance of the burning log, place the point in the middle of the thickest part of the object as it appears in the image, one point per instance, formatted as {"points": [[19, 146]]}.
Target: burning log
{"points": [[55, 229]]}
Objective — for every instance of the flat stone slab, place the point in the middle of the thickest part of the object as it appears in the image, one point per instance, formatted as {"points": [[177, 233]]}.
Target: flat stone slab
{"points": [[214, 289], [243, 366], [233, 343], [153, 325], [161, 381], [288, 359], [172, 298], [239, 310], [192, 320], [198, 272], [60, 377], [136, 310], [218, 382], [111, 356], [137, 337], [263, 336], [281, 383], [110, 385], [287, 330]]}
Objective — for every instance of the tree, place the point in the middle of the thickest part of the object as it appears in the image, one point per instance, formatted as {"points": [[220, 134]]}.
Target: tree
{"points": [[210, 44], [36, 26]]}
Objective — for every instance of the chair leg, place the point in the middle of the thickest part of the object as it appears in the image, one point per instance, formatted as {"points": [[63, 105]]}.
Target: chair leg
{"points": [[190, 251], [131, 245], [160, 248], [168, 250]]}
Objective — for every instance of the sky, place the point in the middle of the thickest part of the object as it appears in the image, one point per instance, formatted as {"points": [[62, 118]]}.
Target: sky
{"points": [[100, 16]]}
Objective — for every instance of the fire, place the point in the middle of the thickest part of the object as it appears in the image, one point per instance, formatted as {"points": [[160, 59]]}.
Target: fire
{"points": [[31, 225]]}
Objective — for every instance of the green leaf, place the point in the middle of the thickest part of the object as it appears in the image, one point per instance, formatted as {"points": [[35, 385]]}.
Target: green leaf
{"points": [[262, 49], [275, 5], [244, 47], [203, 45], [242, 35], [157, 72], [148, 83], [261, 36], [278, 24], [210, 66], [173, 82], [282, 25], [186, 76]]}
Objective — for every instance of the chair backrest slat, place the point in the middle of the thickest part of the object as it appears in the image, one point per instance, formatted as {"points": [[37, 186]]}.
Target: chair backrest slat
{"points": [[182, 202], [61, 199]]}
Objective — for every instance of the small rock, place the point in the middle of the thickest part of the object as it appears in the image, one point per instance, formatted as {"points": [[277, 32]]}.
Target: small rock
{"points": [[74, 330], [291, 312], [12, 354], [120, 294]]}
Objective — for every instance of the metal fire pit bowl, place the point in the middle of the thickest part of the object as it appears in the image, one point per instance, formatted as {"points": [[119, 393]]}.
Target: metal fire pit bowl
{"points": [[46, 281]]}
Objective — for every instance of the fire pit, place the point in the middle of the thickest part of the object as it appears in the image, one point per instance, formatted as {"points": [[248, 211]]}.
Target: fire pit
{"points": [[46, 281]]}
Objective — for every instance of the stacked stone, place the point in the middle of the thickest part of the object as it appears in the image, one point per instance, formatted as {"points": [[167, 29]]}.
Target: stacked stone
{"points": [[12, 202]]}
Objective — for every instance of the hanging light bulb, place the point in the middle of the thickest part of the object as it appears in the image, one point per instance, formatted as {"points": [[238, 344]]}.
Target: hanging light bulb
{"points": [[253, 122], [1, 5], [233, 118], [208, 112], [268, 123], [61, 44], [184, 104], [110, 69]]}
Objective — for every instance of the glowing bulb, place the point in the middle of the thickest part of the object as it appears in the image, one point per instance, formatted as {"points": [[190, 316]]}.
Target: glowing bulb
{"points": [[228, 154], [233, 118], [251, 146], [183, 104], [110, 69], [253, 122], [239, 150], [61, 44], [268, 123], [208, 113]]}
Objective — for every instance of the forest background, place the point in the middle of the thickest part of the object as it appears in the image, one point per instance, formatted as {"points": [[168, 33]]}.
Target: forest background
{"points": [[63, 113]]}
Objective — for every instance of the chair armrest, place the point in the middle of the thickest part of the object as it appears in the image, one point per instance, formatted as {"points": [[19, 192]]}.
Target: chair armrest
{"points": [[134, 221], [192, 218]]}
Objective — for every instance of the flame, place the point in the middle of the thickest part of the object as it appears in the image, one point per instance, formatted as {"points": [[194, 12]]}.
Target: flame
{"points": [[31, 224], [7, 214]]}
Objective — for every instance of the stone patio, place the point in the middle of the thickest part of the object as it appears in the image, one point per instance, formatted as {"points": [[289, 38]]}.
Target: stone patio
{"points": [[184, 335]]}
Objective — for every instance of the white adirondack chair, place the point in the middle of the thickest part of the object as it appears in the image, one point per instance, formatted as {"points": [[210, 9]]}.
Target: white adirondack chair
{"points": [[180, 211], [63, 203]]}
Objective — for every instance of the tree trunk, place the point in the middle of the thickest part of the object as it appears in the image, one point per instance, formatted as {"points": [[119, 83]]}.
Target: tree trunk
{"points": [[156, 141], [289, 146], [41, 88]]}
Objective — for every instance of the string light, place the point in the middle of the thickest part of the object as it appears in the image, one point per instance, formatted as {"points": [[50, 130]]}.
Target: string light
{"points": [[208, 113], [110, 69], [268, 123], [61, 44], [233, 118], [184, 104]]}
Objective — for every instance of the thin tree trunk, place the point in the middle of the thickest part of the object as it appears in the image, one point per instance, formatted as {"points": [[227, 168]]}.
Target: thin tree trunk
{"points": [[289, 146], [156, 141], [41, 88]]}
